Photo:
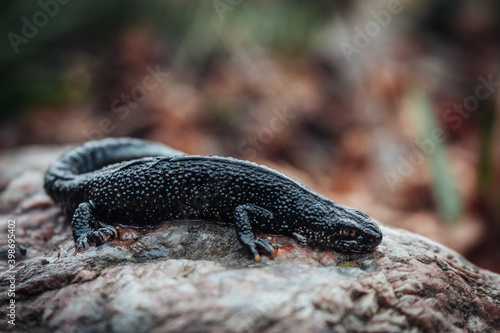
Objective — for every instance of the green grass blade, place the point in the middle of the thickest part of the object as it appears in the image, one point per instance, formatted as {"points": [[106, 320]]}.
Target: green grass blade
{"points": [[432, 138]]}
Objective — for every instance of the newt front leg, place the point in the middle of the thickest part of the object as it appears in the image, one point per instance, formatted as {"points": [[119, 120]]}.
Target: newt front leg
{"points": [[245, 233]]}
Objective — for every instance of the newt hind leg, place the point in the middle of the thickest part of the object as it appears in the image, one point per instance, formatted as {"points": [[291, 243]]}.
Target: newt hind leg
{"points": [[87, 231]]}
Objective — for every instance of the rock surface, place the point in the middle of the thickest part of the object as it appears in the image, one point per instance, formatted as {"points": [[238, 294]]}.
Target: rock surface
{"points": [[193, 276]]}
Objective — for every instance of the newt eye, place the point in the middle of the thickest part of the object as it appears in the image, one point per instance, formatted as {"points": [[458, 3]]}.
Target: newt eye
{"points": [[349, 233]]}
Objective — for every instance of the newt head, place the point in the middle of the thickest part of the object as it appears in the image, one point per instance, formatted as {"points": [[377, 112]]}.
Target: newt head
{"points": [[342, 229], [352, 230]]}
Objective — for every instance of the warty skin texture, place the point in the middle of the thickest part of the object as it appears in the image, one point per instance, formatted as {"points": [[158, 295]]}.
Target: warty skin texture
{"points": [[136, 182]]}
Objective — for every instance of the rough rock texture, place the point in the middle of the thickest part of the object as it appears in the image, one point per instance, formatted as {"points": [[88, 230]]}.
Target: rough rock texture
{"points": [[194, 276]]}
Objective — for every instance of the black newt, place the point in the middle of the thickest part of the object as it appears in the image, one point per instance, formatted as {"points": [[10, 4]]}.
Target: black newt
{"points": [[130, 181]]}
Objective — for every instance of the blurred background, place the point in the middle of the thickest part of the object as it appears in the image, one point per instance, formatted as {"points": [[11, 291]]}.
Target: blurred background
{"points": [[388, 106]]}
